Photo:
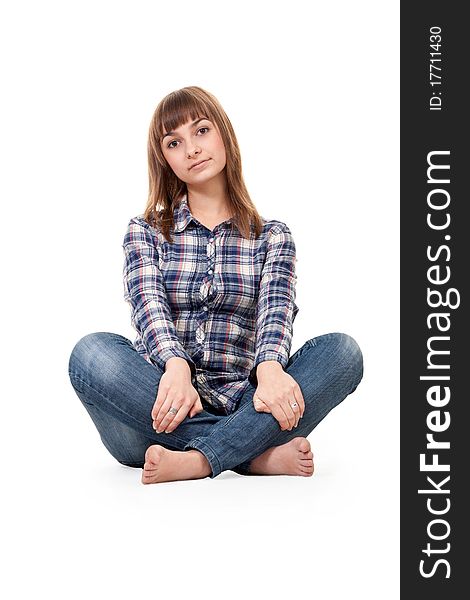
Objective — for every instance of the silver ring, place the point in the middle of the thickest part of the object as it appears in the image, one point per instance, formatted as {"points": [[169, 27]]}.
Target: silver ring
{"points": [[294, 405], [173, 411]]}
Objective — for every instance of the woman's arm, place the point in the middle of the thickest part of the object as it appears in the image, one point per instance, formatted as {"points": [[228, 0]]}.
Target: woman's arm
{"points": [[145, 292], [276, 309]]}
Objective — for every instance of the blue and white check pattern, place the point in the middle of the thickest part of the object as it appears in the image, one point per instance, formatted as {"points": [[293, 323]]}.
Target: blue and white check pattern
{"points": [[222, 302]]}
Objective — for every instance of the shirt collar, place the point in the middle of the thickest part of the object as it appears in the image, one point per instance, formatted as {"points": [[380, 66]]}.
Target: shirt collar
{"points": [[182, 215]]}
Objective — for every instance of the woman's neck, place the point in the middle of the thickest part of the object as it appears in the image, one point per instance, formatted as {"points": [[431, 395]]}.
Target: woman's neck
{"points": [[210, 203]]}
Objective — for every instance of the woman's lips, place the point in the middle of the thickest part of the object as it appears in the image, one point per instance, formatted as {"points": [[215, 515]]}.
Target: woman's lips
{"points": [[200, 165]]}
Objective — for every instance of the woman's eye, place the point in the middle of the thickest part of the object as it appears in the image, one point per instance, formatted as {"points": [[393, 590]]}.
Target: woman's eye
{"points": [[174, 141]]}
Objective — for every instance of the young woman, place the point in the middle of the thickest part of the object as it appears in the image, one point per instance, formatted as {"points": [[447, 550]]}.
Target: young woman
{"points": [[208, 384]]}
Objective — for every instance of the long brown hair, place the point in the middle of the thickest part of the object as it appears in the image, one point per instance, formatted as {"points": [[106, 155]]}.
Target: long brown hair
{"points": [[165, 188]]}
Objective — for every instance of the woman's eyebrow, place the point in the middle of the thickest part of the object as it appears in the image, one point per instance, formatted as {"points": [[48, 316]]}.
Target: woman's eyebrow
{"points": [[192, 125]]}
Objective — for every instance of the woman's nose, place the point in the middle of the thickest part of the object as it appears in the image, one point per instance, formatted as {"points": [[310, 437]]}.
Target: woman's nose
{"points": [[192, 149]]}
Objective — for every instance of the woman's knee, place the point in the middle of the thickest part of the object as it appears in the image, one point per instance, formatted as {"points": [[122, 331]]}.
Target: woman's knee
{"points": [[351, 355], [346, 352], [85, 351], [93, 354]]}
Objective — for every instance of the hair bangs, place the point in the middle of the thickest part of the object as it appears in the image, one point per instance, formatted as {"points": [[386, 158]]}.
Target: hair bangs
{"points": [[179, 108]]}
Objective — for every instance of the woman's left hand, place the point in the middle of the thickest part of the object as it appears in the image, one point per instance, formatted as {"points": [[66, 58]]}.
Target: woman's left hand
{"points": [[279, 394]]}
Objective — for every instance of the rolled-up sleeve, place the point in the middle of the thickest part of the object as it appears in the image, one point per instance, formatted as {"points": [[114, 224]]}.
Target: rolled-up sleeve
{"points": [[276, 307], [144, 291]]}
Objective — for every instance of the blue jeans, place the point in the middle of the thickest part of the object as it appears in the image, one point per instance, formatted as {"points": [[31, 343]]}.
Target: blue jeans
{"points": [[118, 388]]}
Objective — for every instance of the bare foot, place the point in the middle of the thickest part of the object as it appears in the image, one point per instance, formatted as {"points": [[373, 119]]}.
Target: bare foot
{"points": [[162, 464], [292, 458]]}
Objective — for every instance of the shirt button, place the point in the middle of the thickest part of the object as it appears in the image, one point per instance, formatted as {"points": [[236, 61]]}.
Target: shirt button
{"points": [[211, 240], [210, 271], [205, 308]]}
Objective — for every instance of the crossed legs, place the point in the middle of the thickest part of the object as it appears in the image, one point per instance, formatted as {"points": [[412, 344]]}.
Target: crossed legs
{"points": [[118, 389]]}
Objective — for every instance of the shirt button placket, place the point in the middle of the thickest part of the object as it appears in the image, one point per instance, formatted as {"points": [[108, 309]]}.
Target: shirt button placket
{"points": [[211, 261], [200, 335], [205, 288]]}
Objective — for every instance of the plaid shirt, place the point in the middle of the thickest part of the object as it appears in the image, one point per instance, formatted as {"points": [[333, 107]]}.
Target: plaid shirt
{"points": [[222, 302]]}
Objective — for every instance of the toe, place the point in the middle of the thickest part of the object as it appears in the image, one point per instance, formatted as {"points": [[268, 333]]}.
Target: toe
{"points": [[153, 456], [149, 477], [302, 444]]}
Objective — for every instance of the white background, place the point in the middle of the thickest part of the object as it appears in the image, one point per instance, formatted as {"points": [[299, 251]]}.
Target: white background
{"points": [[312, 91]]}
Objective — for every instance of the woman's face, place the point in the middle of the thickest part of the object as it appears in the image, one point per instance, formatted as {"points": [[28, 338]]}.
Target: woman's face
{"points": [[191, 143]]}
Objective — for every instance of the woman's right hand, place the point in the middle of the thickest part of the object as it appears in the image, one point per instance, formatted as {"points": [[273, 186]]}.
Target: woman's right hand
{"points": [[175, 390]]}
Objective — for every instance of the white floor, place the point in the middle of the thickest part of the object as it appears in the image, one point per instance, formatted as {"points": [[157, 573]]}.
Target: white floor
{"points": [[86, 527]]}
